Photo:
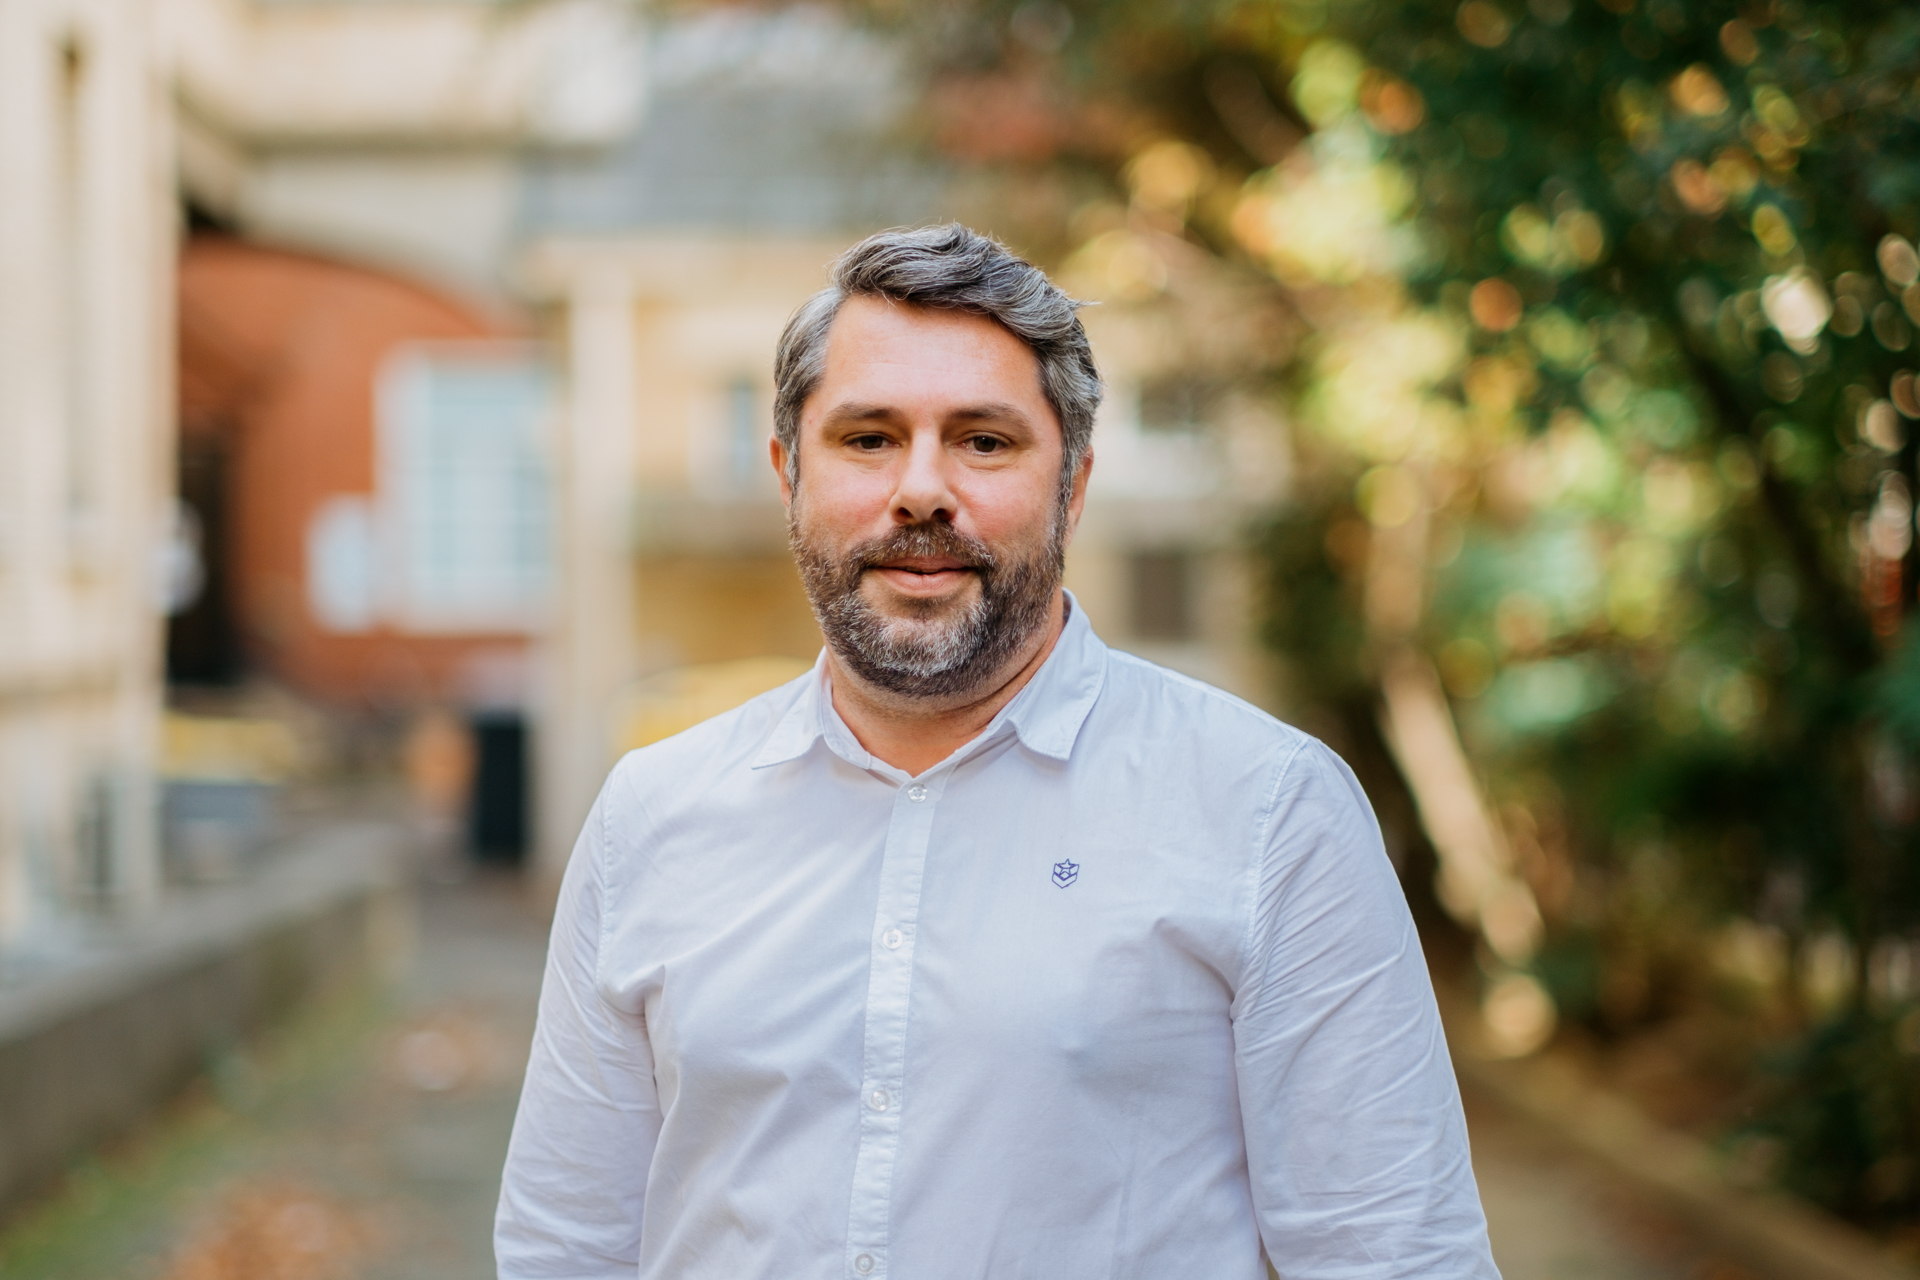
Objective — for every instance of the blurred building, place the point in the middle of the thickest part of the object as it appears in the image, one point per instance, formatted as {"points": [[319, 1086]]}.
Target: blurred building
{"points": [[671, 262], [363, 455], [85, 267], [394, 134], [475, 328], [323, 400], [655, 222], [363, 411]]}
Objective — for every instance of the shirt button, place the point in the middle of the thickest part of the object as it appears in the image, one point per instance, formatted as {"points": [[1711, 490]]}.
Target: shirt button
{"points": [[892, 939], [863, 1264], [878, 1099], [916, 793]]}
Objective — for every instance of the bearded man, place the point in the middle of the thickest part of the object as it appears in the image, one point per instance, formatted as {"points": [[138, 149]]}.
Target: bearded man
{"points": [[982, 951]]}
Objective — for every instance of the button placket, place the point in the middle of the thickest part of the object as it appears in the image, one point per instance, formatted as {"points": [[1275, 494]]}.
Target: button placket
{"points": [[889, 987]]}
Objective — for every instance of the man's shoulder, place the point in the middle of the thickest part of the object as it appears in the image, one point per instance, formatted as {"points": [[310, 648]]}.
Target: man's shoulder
{"points": [[1150, 698], [711, 749], [1177, 736]]}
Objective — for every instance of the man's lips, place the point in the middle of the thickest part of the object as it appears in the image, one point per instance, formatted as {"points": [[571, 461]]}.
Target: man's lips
{"points": [[923, 576], [926, 564]]}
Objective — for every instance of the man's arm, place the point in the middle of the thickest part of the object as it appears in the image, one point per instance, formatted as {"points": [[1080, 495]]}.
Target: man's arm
{"points": [[576, 1174], [1355, 1139]]}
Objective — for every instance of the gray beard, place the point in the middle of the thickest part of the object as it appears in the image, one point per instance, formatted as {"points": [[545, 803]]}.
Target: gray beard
{"points": [[932, 649]]}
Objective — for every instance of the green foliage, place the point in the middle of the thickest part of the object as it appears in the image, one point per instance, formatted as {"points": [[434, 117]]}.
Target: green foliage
{"points": [[1898, 693], [1313, 618], [1842, 1117], [1697, 212], [1690, 204]]}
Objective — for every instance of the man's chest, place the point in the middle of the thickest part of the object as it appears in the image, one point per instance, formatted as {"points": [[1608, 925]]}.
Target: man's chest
{"points": [[962, 927]]}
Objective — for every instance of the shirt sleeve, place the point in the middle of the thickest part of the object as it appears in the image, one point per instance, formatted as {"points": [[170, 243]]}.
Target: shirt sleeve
{"points": [[583, 1139], [1356, 1143]]}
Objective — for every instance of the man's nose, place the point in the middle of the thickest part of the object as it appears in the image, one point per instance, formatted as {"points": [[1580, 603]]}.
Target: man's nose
{"points": [[924, 493]]}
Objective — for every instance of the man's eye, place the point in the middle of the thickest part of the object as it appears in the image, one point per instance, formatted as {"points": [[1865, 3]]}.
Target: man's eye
{"points": [[869, 442], [987, 444]]}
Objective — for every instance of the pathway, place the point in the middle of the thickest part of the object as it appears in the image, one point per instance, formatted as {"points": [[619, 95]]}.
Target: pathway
{"points": [[366, 1145]]}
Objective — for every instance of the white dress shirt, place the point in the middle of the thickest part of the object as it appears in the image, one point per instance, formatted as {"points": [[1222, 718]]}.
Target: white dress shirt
{"points": [[1125, 987]]}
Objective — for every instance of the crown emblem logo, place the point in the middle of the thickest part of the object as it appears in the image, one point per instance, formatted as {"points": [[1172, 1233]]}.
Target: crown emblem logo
{"points": [[1065, 873]]}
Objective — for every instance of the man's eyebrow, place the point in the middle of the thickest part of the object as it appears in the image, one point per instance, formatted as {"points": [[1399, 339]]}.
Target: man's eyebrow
{"points": [[859, 411], [989, 411], [985, 411]]}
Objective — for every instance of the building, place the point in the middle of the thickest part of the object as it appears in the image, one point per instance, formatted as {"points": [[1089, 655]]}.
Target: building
{"points": [[474, 350], [365, 410], [387, 136], [86, 242], [394, 135]]}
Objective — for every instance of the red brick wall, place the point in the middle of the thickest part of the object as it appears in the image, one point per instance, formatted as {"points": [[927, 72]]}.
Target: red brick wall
{"points": [[279, 353]]}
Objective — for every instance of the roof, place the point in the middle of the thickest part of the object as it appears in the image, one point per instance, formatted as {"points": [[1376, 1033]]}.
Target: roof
{"points": [[788, 122]]}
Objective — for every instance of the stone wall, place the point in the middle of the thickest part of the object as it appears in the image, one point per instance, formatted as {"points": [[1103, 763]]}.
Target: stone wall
{"points": [[91, 1044]]}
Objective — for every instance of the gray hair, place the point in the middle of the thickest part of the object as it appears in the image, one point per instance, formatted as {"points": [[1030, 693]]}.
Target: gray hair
{"points": [[961, 270]]}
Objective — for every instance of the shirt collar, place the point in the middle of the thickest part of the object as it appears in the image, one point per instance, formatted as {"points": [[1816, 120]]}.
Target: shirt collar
{"points": [[1047, 714]]}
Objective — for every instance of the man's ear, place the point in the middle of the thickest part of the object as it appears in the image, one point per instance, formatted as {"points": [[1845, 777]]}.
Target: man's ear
{"points": [[778, 453], [1077, 500]]}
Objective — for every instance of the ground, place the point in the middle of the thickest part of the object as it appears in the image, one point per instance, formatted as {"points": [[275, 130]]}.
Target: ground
{"points": [[364, 1142]]}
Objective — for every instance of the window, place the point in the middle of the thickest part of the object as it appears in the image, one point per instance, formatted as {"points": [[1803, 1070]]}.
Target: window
{"points": [[1161, 595], [341, 562], [746, 438], [464, 497], [728, 424]]}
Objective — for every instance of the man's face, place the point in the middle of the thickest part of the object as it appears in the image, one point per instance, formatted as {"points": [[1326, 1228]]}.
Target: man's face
{"points": [[930, 521]]}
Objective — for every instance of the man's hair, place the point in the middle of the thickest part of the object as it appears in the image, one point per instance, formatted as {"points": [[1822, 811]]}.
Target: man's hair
{"points": [[957, 269]]}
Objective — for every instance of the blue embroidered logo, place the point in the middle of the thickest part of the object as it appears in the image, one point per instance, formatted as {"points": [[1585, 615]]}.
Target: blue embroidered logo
{"points": [[1065, 873]]}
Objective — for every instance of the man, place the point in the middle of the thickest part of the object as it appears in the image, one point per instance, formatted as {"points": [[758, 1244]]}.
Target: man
{"points": [[982, 951]]}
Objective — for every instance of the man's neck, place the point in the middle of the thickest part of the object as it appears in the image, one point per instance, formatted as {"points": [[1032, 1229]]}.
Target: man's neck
{"points": [[915, 734]]}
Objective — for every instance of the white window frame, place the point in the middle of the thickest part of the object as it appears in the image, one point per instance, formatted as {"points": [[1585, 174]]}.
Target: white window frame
{"points": [[407, 600]]}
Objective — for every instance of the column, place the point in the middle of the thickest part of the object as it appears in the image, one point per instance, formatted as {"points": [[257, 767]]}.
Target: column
{"points": [[588, 652]]}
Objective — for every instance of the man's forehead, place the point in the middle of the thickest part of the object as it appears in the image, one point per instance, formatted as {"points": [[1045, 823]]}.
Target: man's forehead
{"points": [[885, 337]]}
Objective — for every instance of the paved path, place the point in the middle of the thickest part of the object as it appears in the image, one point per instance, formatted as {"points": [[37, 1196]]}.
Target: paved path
{"points": [[367, 1146], [363, 1143], [1555, 1214]]}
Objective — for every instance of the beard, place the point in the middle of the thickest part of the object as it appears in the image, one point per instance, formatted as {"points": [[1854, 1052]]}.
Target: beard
{"points": [[936, 649]]}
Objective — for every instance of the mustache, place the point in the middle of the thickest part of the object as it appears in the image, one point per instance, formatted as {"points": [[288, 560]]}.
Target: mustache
{"points": [[924, 540]]}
